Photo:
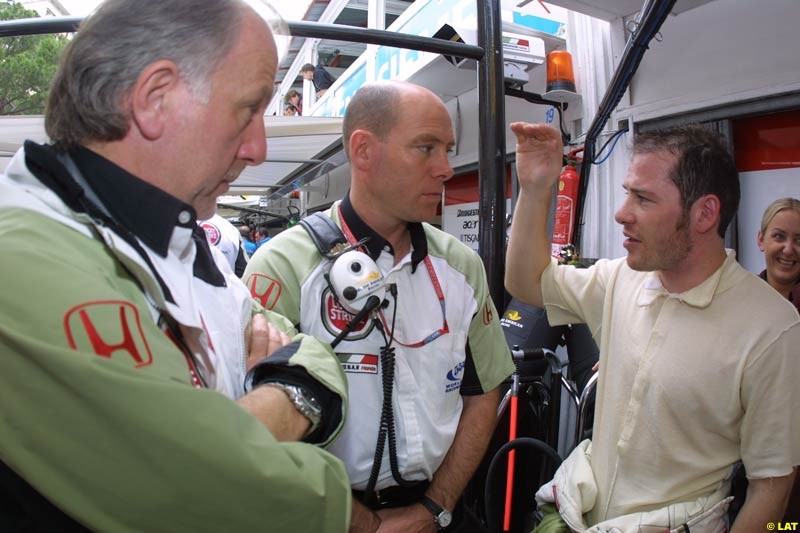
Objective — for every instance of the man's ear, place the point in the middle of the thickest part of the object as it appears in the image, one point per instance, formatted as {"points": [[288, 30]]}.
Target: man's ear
{"points": [[149, 97], [705, 213], [362, 149]]}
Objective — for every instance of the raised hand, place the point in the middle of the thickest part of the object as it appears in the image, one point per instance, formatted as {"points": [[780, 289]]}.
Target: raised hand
{"points": [[539, 154]]}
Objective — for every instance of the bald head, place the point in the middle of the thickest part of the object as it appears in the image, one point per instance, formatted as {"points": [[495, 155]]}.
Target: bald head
{"points": [[376, 108]]}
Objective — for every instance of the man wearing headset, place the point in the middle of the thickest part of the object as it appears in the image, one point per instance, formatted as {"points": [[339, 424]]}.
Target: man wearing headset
{"points": [[437, 331]]}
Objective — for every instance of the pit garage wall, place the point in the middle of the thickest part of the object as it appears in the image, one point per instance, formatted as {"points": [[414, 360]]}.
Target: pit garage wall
{"points": [[768, 160], [721, 52], [461, 204]]}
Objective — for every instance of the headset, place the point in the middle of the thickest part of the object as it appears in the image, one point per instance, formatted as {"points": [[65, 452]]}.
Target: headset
{"points": [[358, 286]]}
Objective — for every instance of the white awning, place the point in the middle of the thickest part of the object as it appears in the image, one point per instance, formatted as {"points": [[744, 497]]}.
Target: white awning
{"points": [[293, 144], [14, 130]]}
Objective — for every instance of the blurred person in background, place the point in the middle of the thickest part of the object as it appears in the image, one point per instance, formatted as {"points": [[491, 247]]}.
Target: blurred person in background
{"points": [[293, 98], [320, 77]]}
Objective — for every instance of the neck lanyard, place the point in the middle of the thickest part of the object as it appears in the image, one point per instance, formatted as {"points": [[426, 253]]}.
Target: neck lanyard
{"points": [[436, 286]]}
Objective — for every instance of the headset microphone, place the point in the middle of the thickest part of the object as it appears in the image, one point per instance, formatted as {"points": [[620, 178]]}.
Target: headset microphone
{"points": [[372, 303], [358, 286], [354, 278]]}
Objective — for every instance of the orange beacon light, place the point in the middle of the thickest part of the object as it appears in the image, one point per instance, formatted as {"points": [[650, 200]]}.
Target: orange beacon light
{"points": [[559, 71]]}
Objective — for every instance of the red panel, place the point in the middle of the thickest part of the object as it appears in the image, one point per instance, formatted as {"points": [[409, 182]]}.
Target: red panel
{"points": [[464, 188], [767, 142]]}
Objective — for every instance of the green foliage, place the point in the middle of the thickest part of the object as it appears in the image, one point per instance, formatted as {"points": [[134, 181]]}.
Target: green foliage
{"points": [[27, 64]]}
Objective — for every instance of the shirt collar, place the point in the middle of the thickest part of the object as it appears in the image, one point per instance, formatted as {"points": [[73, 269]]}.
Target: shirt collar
{"points": [[375, 243], [123, 195], [699, 296]]}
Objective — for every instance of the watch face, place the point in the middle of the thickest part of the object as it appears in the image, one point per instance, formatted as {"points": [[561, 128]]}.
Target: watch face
{"points": [[444, 518]]}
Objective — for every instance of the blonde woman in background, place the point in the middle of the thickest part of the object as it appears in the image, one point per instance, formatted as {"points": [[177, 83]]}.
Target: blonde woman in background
{"points": [[779, 239]]}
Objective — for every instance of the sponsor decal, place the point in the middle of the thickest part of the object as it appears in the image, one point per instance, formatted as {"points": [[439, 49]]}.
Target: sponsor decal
{"points": [[265, 289], [511, 319], [212, 233], [335, 318], [454, 378], [353, 363], [88, 328], [488, 314]]}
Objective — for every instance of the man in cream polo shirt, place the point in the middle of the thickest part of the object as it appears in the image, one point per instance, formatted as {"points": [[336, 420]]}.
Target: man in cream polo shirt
{"points": [[698, 356]]}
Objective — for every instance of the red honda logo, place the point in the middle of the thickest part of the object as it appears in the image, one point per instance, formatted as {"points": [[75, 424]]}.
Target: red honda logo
{"points": [[265, 289], [108, 327]]}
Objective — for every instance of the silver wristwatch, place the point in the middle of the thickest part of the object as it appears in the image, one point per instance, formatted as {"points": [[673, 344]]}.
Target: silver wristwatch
{"points": [[303, 402], [441, 517]]}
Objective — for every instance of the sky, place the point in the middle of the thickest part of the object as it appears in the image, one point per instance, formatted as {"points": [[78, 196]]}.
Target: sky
{"points": [[289, 9]]}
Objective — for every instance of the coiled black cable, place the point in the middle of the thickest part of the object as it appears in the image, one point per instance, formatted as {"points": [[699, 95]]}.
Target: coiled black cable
{"points": [[525, 442], [386, 430]]}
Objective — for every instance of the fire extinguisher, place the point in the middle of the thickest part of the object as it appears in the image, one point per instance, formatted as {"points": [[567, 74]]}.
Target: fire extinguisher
{"points": [[566, 201]]}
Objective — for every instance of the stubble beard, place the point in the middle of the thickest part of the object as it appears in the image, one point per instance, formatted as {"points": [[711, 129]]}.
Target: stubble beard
{"points": [[666, 254]]}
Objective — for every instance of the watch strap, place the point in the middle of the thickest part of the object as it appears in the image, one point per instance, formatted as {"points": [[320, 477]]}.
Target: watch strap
{"points": [[435, 509]]}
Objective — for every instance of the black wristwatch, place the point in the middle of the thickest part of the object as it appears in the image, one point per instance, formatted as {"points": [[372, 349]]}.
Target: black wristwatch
{"points": [[441, 517]]}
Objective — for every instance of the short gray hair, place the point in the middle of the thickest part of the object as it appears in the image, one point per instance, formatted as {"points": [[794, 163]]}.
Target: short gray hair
{"points": [[116, 43], [374, 108]]}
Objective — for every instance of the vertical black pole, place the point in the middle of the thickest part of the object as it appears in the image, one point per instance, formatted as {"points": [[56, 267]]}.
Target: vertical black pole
{"points": [[492, 151]]}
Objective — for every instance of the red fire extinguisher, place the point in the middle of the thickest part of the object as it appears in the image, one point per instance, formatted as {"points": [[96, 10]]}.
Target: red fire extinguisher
{"points": [[566, 201]]}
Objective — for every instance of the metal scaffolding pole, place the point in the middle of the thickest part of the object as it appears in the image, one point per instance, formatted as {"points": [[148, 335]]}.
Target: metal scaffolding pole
{"points": [[492, 149], [35, 26], [491, 106]]}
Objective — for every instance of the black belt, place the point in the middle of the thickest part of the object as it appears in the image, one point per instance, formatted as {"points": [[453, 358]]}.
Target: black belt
{"points": [[396, 496]]}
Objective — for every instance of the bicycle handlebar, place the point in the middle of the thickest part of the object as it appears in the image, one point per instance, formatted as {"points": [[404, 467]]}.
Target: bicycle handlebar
{"points": [[529, 354]]}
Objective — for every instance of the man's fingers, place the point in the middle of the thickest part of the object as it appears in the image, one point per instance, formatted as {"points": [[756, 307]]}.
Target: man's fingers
{"points": [[263, 339], [535, 134], [258, 339], [277, 339], [528, 129]]}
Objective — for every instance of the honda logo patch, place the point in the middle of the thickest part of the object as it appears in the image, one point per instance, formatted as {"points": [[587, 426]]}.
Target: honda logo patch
{"points": [[109, 328], [265, 289], [488, 314]]}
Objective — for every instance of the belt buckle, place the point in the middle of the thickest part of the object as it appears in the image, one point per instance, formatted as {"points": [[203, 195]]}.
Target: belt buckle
{"points": [[382, 497]]}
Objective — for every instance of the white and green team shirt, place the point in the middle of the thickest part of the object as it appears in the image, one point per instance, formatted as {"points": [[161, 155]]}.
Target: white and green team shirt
{"points": [[448, 342]]}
